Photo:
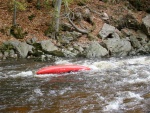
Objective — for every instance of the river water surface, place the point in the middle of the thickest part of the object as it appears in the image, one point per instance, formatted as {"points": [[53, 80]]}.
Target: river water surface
{"points": [[115, 85]]}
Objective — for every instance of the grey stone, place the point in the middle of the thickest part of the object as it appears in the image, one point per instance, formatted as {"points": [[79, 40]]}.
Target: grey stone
{"points": [[68, 53], [48, 46], [118, 47], [31, 41], [146, 24], [21, 47], [6, 54], [142, 37], [12, 54], [1, 55], [134, 41], [106, 31], [95, 50]]}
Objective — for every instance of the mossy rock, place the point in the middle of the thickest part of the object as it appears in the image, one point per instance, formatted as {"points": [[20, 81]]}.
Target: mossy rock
{"points": [[57, 53], [5, 47], [37, 46]]}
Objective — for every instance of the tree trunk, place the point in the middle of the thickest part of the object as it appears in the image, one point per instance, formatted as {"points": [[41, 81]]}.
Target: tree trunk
{"points": [[14, 14], [57, 15], [38, 5]]}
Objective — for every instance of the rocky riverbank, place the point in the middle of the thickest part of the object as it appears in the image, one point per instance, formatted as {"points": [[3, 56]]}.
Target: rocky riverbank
{"points": [[113, 36], [115, 42]]}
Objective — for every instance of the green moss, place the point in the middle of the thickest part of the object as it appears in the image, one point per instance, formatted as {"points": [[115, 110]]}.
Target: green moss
{"points": [[57, 53], [7, 48]]}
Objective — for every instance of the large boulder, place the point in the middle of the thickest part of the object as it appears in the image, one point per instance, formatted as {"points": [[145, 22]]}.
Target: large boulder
{"points": [[146, 24], [95, 50], [118, 47], [21, 47], [106, 31], [48, 46]]}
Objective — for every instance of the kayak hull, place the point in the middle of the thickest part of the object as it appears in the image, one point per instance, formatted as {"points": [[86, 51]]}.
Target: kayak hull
{"points": [[57, 69]]}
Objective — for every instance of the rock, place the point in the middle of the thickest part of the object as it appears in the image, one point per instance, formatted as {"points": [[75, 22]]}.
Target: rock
{"points": [[105, 16], [6, 54], [57, 53], [68, 53], [139, 42], [147, 47], [126, 32], [134, 41], [106, 31], [95, 50], [12, 54], [78, 48], [48, 46], [65, 39], [142, 37], [68, 37], [1, 55], [146, 24], [118, 47], [43, 58], [31, 41], [50, 57], [21, 47]]}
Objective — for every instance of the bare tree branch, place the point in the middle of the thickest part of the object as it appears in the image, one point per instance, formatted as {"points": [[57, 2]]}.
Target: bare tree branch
{"points": [[78, 29]]}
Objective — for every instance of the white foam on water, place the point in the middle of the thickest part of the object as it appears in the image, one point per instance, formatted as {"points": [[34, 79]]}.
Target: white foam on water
{"points": [[140, 60], [105, 65], [38, 92], [22, 74], [113, 105], [46, 75], [62, 62], [129, 94], [136, 80], [134, 95], [112, 64], [139, 80], [117, 103]]}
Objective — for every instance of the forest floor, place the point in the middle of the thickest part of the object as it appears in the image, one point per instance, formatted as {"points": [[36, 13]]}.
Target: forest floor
{"points": [[42, 18]]}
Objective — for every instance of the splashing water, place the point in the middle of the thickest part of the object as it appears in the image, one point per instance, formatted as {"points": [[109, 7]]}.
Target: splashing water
{"points": [[111, 86]]}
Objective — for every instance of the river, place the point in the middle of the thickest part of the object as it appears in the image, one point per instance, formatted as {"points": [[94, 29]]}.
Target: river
{"points": [[113, 85]]}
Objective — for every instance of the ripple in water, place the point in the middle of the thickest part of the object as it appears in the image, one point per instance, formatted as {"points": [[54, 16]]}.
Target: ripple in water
{"points": [[112, 86]]}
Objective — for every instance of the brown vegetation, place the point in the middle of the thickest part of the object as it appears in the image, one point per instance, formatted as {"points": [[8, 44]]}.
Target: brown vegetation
{"points": [[35, 22]]}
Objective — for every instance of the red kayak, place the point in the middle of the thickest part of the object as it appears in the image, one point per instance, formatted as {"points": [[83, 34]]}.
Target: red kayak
{"points": [[57, 69]]}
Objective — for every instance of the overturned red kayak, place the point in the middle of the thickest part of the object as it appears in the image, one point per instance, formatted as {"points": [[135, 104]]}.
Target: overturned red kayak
{"points": [[57, 69]]}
